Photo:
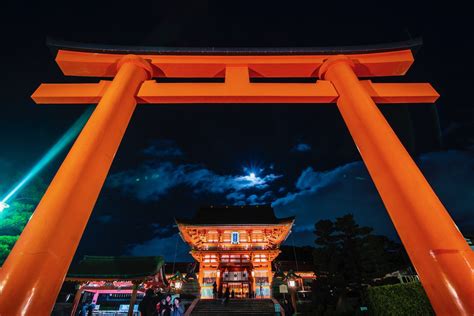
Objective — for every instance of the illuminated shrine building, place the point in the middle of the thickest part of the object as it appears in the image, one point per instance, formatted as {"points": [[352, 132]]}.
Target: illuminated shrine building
{"points": [[235, 247]]}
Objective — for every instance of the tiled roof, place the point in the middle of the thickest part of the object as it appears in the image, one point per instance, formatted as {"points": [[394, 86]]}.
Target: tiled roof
{"points": [[119, 268], [235, 215]]}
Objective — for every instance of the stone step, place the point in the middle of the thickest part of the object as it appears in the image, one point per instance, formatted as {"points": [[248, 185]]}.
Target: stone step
{"points": [[234, 307], [231, 313]]}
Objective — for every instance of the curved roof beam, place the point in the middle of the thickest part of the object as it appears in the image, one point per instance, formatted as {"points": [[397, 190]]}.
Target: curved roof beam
{"points": [[412, 44]]}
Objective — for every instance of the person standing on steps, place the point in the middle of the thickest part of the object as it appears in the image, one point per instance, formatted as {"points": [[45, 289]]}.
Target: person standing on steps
{"points": [[226, 296], [214, 290]]}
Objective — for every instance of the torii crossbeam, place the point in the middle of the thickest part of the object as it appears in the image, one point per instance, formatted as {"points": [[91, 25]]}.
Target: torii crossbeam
{"points": [[47, 245]]}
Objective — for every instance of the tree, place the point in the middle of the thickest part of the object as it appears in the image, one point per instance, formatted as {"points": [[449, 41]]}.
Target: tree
{"points": [[6, 244], [14, 218], [347, 257]]}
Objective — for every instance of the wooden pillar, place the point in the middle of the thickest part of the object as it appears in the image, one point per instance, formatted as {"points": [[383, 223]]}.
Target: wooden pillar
{"points": [[48, 242], [77, 298], [438, 251], [201, 277], [95, 297], [133, 298], [254, 272], [218, 278], [270, 276], [294, 300], [201, 274]]}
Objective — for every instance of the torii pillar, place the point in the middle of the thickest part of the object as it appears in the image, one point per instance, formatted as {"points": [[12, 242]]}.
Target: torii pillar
{"points": [[33, 273], [441, 256], [35, 269]]}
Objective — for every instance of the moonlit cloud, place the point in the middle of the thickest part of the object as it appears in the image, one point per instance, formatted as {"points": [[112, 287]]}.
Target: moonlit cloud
{"points": [[170, 247], [349, 189], [236, 196], [155, 178], [163, 149], [302, 147], [315, 195], [104, 219]]}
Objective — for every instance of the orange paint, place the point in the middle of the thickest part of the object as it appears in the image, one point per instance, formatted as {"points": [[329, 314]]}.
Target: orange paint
{"points": [[394, 63], [152, 92], [45, 249], [438, 251], [217, 255], [33, 273]]}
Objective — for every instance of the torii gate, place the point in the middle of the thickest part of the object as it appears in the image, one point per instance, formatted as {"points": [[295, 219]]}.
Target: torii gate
{"points": [[32, 275]]}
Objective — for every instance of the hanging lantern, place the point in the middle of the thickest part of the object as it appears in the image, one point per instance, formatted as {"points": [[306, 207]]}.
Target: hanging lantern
{"points": [[291, 283], [177, 281]]}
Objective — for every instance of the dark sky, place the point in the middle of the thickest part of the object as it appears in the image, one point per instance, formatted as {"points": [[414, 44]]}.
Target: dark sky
{"points": [[175, 158]]}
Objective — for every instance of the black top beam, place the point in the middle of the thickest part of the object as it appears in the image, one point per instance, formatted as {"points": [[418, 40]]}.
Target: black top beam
{"points": [[55, 45]]}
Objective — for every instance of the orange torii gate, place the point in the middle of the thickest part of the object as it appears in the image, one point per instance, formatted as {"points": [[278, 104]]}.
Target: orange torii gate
{"points": [[35, 269]]}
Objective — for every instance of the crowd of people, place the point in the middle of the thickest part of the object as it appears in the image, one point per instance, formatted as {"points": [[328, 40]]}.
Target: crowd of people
{"points": [[154, 305], [151, 305]]}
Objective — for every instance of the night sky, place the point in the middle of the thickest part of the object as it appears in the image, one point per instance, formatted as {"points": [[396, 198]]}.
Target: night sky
{"points": [[299, 158]]}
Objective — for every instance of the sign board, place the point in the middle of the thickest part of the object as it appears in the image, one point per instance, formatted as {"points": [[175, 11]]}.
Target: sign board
{"points": [[277, 308], [125, 307], [283, 288]]}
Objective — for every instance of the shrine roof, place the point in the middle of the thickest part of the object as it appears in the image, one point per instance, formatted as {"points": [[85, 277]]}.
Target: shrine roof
{"points": [[55, 45], [235, 215], [118, 268], [172, 268]]}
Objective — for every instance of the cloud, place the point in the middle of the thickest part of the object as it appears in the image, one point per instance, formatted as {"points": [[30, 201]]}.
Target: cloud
{"points": [[301, 147], [236, 196], [151, 182], [170, 247], [349, 189], [162, 230], [315, 195], [163, 149], [104, 219], [154, 179]]}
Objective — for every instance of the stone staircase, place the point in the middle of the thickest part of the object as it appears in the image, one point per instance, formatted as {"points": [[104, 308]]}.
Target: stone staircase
{"points": [[234, 307], [191, 288]]}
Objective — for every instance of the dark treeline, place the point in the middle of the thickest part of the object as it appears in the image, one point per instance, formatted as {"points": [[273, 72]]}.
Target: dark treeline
{"points": [[347, 258]]}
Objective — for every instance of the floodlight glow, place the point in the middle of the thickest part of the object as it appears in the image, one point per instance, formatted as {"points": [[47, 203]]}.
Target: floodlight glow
{"points": [[3, 206], [67, 138]]}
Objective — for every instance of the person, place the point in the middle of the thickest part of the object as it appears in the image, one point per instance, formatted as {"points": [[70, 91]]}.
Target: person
{"points": [[90, 309], [232, 294], [214, 290], [87, 309], [84, 308], [158, 307], [226, 296], [177, 309], [166, 306], [161, 306], [147, 306], [288, 307]]}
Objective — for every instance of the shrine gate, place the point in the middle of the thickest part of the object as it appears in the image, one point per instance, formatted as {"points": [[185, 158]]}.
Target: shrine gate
{"points": [[33, 273]]}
